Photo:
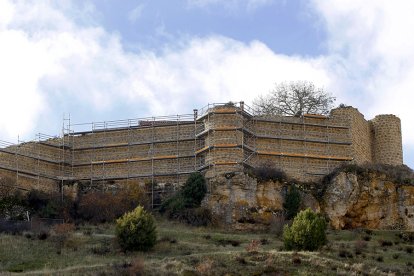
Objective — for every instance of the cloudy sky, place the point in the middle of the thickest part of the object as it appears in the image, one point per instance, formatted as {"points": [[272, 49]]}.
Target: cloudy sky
{"points": [[106, 59]]}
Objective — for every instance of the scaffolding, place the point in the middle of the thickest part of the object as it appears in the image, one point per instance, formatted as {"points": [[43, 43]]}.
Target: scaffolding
{"points": [[36, 161], [309, 138], [166, 149], [304, 145], [150, 150]]}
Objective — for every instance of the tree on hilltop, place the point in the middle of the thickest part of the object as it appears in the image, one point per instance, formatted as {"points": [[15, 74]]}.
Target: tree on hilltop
{"points": [[295, 99]]}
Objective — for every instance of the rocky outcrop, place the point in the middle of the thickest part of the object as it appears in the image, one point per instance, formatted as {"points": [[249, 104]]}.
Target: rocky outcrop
{"points": [[350, 200], [246, 203], [372, 201]]}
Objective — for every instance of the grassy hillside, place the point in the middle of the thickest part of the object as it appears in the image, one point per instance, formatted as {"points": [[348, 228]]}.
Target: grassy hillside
{"points": [[184, 250]]}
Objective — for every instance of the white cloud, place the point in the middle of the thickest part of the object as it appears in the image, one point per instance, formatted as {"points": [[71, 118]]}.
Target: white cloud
{"points": [[20, 70], [6, 14], [232, 5], [376, 47], [136, 13], [217, 69], [49, 61]]}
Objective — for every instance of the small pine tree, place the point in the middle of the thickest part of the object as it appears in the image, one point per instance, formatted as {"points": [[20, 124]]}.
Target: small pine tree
{"points": [[136, 230], [194, 190], [292, 202], [306, 233], [185, 204]]}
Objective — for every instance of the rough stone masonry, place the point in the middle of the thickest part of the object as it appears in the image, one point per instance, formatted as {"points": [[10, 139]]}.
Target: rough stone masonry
{"points": [[217, 139]]}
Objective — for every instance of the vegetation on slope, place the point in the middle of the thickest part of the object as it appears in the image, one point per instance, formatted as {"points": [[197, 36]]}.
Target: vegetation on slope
{"points": [[184, 206], [307, 232], [136, 230], [186, 250], [401, 174]]}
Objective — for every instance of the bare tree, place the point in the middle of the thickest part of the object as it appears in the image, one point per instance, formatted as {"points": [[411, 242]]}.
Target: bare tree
{"points": [[295, 98]]}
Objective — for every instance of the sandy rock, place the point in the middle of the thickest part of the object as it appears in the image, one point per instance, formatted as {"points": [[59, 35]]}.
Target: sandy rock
{"points": [[406, 206], [241, 200], [309, 201], [245, 203], [371, 202], [349, 202]]}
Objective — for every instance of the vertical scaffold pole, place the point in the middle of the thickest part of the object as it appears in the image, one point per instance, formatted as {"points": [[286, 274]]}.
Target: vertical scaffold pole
{"points": [[242, 127], [280, 141], [328, 147], [104, 154], [195, 138], [152, 161], [305, 148], [62, 159], [38, 159], [72, 147], [17, 160], [128, 151], [178, 150], [93, 152]]}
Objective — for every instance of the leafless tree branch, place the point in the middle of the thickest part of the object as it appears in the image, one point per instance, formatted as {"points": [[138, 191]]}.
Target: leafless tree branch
{"points": [[295, 98]]}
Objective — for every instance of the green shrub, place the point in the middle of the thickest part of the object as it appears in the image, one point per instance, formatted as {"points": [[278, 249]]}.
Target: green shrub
{"points": [[45, 205], [292, 202], [266, 172], [12, 202], [103, 206], [189, 196], [306, 233], [13, 207], [136, 230], [194, 190], [100, 207], [173, 205]]}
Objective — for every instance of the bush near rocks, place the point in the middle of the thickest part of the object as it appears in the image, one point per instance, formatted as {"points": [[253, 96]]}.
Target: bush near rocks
{"points": [[136, 230], [103, 206], [308, 232], [266, 172], [194, 190], [292, 202], [184, 206], [400, 174], [189, 196]]}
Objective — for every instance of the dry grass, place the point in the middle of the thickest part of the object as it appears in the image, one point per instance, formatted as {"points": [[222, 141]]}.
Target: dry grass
{"points": [[184, 250]]}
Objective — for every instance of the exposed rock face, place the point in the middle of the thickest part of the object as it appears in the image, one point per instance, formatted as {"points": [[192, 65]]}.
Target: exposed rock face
{"points": [[350, 201], [369, 202], [243, 201]]}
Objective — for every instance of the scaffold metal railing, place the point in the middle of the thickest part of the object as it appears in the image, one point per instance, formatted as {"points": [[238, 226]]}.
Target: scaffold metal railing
{"points": [[173, 154]]}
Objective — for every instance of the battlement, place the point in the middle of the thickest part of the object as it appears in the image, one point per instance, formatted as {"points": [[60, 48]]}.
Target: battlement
{"points": [[216, 139]]}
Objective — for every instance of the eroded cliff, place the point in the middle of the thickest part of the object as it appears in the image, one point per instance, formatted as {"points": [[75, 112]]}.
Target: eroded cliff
{"points": [[367, 199], [351, 201]]}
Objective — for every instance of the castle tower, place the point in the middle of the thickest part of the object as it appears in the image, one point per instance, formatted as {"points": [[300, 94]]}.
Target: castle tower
{"points": [[387, 140], [222, 139], [359, 133]]}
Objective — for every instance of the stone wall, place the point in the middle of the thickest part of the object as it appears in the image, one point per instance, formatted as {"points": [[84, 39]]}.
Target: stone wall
{"points": [[305, 148], [32, 165], [376, 141], [387, 144], [360, 133], [136, 153], [223, 138]]}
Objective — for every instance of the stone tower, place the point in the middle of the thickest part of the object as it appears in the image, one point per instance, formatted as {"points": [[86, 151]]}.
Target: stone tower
{"points": [[387, 140], [221, 149]]}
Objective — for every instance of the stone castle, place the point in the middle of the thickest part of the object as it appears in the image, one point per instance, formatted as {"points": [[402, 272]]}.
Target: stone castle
{"points": [[216, 139]]}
